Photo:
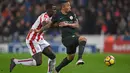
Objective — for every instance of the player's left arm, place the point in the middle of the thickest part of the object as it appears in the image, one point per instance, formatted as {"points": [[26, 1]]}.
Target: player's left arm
{"points": [[75, 24]]}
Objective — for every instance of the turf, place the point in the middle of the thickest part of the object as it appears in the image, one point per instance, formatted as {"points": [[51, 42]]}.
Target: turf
{"points": [[94, 63]]}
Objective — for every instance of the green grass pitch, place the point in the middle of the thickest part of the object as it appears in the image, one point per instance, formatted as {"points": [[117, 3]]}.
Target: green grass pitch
{"points": [[94, 63]]}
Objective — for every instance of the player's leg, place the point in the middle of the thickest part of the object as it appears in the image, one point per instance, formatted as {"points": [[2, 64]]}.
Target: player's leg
{"points": [[36, 59], [70, 56], [65, 62], [82, 42], [47, 51], [52, 58]]}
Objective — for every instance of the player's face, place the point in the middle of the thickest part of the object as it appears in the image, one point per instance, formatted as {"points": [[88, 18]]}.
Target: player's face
{"points": [[67, 7], [52, 10]]}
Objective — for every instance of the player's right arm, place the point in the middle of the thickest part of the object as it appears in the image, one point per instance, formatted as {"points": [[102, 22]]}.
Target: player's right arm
{"points": [[45, 22], [45, 27]]}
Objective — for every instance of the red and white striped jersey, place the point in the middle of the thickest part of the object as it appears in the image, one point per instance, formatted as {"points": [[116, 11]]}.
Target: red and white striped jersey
{"points": [[34, 36]]}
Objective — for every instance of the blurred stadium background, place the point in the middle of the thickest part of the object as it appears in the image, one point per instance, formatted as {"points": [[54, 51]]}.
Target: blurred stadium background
{"points": [[105, 23]]}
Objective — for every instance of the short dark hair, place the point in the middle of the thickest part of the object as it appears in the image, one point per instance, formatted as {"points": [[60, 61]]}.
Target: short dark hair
{"points": [[63, 1], [49, 6]]}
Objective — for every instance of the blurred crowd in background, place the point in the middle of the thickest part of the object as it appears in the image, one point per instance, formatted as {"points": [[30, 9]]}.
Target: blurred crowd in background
{"points": [[95, 16]]}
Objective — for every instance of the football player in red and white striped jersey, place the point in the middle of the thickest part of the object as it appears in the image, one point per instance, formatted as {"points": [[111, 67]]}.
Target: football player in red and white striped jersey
{"points": [[36, 43]]}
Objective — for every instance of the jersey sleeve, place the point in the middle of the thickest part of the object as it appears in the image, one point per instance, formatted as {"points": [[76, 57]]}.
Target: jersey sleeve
{"points": [[44, 18]]}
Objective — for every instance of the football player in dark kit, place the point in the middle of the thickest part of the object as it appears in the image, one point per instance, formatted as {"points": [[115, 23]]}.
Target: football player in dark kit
{"points": [[68, 24]]}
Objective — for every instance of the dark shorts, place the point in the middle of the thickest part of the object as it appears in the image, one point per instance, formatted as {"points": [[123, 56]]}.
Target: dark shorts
{"points": [[71, 42]]}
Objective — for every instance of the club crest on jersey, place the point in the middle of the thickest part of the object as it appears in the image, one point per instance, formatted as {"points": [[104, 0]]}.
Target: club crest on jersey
{"points": [[71, 17]]}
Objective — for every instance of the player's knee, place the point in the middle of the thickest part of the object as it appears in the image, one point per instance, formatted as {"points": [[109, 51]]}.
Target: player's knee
{"points": [[38, 58], [39, 62], [71, 57], [82, 38], [53, 56]]}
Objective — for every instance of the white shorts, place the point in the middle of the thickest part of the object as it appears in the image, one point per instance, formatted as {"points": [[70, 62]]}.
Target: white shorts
{"points": [[36, 47]]}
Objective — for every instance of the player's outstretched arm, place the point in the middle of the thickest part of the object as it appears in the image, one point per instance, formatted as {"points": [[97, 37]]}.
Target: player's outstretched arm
{"points": [[45, 26], [63, 24], [73, 25]]}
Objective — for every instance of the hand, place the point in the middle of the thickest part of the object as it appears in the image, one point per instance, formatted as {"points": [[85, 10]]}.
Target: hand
{"points": [[49, 21]]}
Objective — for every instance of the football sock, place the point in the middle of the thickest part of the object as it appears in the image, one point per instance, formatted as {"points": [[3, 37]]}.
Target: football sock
{"points": [[62, 64], [51, 65], [27, 62], [81, 49]]}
